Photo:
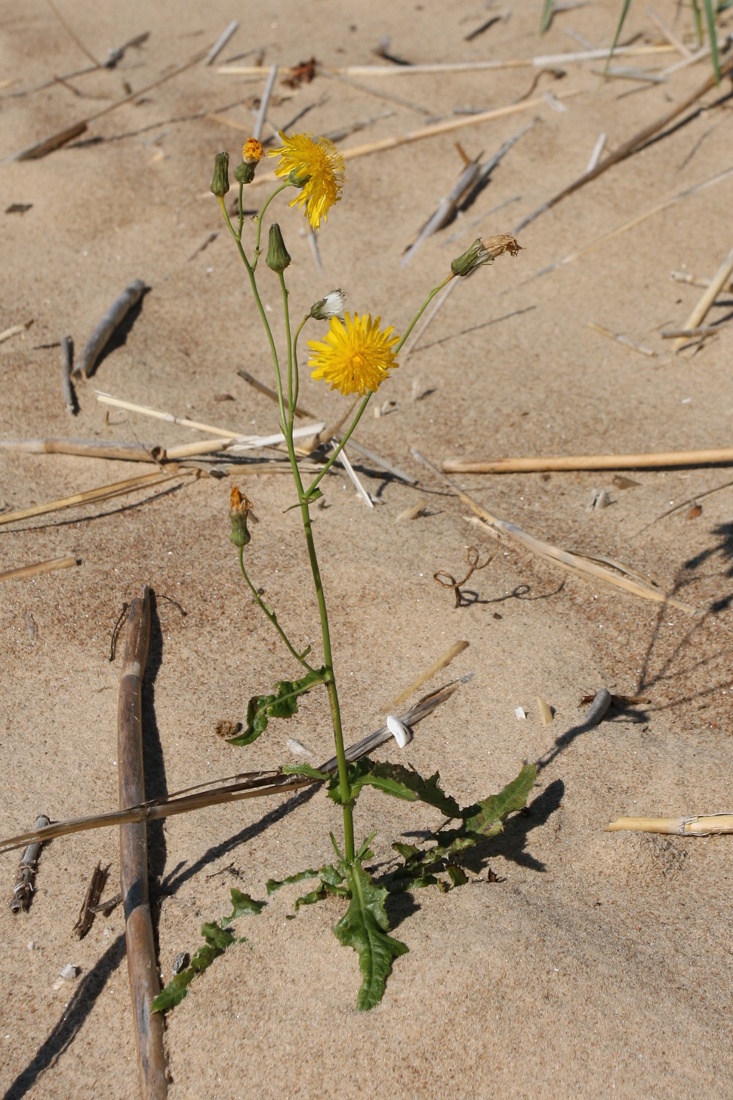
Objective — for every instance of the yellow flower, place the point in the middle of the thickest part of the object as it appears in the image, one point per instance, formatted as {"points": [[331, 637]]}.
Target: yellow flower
{"points": [[252, 151], [355, 355], [317, 167]]}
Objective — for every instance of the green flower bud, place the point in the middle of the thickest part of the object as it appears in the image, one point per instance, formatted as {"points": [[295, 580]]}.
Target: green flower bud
{"points": [[277, 254], [245, 173], [239, 509], [220, 181]]}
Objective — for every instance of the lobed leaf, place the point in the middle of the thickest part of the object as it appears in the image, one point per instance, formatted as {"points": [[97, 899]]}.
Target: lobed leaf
{"points": [[486, 818], [364, 927], [282, 703]]}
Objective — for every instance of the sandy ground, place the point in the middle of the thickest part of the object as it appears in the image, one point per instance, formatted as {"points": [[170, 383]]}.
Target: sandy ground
{"points": [[598, 964]]}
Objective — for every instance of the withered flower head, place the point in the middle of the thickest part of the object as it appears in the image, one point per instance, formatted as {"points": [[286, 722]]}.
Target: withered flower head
{"points": [[239, 509], [484, 252]]}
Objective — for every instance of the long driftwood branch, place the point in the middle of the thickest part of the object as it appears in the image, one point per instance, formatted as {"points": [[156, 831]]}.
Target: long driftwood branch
{"points": [[141, 959]]}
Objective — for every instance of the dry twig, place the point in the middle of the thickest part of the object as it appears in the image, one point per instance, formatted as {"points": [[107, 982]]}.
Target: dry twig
{"points": [[141, 961], [113, 317], [659, 460], [26, 874]]}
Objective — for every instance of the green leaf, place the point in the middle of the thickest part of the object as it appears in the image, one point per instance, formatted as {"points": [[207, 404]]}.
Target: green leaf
{"points": [[485, 819], [243, 903], [399, 782], [364, 927], [457, 875], [217, 941], [305, 769], [283, 703], [274, 884], [548, 10]]}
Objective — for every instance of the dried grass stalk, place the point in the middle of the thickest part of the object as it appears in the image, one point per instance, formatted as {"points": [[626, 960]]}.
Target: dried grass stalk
{"points": [[23, 572], [722, 456], [675, 826]]}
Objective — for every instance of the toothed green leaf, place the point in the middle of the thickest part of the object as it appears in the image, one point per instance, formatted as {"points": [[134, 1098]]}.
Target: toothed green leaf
{"points": [[282, 703], [217, 941], [488, 816], [364, 927], [304, 769]]}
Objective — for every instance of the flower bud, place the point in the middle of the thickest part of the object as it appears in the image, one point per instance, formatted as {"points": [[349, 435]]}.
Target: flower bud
{"points": [[330, 306], [484, 252], [244, 172], [277, 257], [220, 182], [239, 509]]}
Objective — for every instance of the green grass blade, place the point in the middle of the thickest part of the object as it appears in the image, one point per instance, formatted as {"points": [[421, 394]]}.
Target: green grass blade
{"points": [[548, 10], [712, 36], [619, 27]]}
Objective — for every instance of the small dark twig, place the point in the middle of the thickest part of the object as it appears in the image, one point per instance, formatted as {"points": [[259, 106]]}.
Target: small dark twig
{"points": [[67, 359], [447, 580], [25, 878], [90, 905]]}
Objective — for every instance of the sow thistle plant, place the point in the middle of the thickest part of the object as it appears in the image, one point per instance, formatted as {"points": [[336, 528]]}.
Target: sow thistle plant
{"points": [[355, 356]]}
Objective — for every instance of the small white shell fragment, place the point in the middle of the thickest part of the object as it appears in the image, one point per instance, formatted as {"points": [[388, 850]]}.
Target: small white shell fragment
{"points": [[399, 731], [298, 748], [69, 972], [520, 712]]}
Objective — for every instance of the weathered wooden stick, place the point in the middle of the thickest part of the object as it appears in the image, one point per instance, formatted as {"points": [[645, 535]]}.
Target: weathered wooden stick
{"points": [[88, 910], [632, 145], [700, 311], [26, 874], [221, 42], [113, 317], [141, 961], [659, 460], [23, 572], [67, 390], [675, 826], [129, 452]]}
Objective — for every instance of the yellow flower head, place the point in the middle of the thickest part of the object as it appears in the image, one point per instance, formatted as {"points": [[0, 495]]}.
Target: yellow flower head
{"points": [[317, 168], [355, 355], [252, 151]]}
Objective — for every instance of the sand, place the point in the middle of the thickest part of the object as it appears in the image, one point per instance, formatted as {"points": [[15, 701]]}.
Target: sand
{"points": [[596, 964]]}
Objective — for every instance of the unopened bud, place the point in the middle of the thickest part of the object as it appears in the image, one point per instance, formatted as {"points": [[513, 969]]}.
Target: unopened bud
{"points": [[244, 173], [277, 257], [220, 181], [330, 306], [239, 509]]}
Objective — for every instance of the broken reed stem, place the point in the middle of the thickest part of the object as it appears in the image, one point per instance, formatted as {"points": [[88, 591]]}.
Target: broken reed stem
{"points": [[657, 460], [248, 785], [566, 559], [114, 316], [23, 572], [128, 452], [141, 960], [25, 876], [717, 283], [676, 826], [428, 674], [103, 492], [632, 145]]}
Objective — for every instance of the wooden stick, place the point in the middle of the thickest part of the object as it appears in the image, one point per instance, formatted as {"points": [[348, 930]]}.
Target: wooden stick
{"points": [[249, 785], [113, 317], [657, 460], [264, 102], [88, 910], [566, 559], [221, 42], [67, 362], [448, 656], [14, 330], [632, 145], [25, 877], [141, 960], [720, 278], [676, 826], [103, 492], [23, 572]]}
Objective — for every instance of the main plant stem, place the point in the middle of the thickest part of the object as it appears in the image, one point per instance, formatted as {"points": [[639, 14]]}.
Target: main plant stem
{"points": [[305, 500]]}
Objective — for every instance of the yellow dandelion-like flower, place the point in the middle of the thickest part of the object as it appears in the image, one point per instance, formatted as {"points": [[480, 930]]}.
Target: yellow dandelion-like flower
{"points": [[356, 355], [317, 167]]}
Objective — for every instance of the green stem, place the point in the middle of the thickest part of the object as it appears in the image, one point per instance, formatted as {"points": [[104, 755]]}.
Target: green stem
{"points": [[300, 657], [342, 443], [420, 312]]}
